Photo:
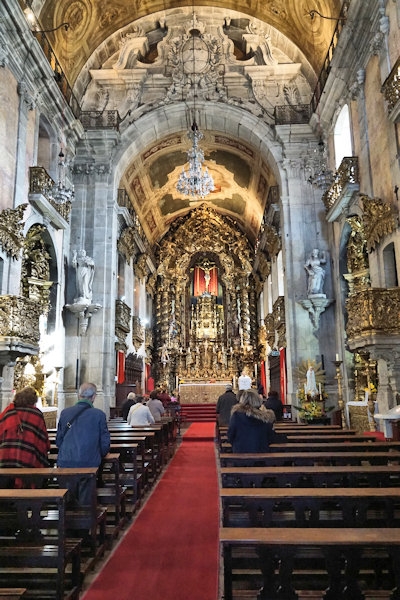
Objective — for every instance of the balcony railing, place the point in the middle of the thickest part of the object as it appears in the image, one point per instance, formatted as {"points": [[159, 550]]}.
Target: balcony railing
{"points": [[371, 312], [100, 119], [41, 183], [346, 175], [59, 75], [391, 89]]}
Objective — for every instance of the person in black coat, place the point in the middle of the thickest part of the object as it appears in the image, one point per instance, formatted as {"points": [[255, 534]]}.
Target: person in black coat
{"points": [[224, 405], [130, 401], [273, 402], [251, 425]]}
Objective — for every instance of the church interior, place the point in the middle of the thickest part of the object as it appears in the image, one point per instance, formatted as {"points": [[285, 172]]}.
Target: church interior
{"points": [[190, 191]]}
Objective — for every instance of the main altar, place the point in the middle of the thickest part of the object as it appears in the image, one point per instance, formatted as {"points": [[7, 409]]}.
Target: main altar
{"points": [[201, 392], [206, 332]]}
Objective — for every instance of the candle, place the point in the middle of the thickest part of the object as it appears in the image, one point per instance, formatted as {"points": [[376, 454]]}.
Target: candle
{"points": [[305, 390], [337, 357], [319, 387]]}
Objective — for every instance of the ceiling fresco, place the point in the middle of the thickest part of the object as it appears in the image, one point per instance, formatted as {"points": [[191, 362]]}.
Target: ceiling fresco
{"points": [[141, 57]]}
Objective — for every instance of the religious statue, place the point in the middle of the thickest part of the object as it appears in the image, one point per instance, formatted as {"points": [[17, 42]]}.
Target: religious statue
{"points": [[316, 273], [164, 355], [84, 266], [310, 386]]}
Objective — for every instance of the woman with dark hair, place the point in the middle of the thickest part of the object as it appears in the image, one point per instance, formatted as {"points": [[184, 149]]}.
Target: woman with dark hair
{"points": [[251, 424], [24, 441]]}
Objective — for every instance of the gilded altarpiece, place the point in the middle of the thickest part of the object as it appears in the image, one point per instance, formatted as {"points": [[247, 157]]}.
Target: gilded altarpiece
{"points": [[204, 305]]}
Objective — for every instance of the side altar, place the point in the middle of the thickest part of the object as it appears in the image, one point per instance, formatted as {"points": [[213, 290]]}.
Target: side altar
{"points": [[201, 392]]}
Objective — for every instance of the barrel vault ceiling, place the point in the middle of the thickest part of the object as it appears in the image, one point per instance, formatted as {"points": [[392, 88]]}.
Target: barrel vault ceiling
{"points": [[136, 56]]}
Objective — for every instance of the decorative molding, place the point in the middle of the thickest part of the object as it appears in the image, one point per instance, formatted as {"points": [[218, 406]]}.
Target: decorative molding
{"points": [[379, 220], [11, 236]]}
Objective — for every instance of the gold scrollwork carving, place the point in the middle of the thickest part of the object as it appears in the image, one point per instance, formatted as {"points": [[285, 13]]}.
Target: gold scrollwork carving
{"points": [[11, 236], [379, 220], [126, 243], [35, 276], [19, 318], [273, 241], [373, 310]]}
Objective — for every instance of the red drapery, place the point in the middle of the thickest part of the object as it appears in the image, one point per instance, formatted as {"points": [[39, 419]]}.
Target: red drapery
{"points": [[282, 369], [120, 366], [199, 282], [149, 380], [263, 379]]}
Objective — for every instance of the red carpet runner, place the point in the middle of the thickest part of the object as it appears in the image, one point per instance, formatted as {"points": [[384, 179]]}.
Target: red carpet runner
{"points": [[171, 550]]}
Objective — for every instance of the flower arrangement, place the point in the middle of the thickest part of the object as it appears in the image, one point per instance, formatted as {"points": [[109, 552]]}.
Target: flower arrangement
{"points": [[371, 388], [311, 407]]}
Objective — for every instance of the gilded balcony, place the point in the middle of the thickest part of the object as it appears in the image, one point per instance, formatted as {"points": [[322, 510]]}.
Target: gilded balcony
{"points": [[122, 321], [372, 313], [391, 92], [50, 199], [345, 183], [19, 327]]}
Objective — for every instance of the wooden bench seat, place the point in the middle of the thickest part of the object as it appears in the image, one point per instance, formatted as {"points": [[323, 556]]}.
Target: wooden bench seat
{"points": [[312, 476], [28, 544], [313, 507], [381, 457], [334, 545], [87, 521], [12, 593]]}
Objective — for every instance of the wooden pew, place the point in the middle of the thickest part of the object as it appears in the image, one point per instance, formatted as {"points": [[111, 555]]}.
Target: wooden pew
{"points": [[296, 507], [382, 457], [28, 544], [90, 518], [311, 476], [12, 593], [332, 446], [286, 544]]}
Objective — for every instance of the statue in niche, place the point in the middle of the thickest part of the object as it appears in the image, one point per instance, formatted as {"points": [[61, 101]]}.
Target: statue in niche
{"points": [[84, 266], [316, 273]]}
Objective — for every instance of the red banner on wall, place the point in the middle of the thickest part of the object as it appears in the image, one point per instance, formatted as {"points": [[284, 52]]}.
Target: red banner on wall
{"points": [[282, 369], [120, 366]]}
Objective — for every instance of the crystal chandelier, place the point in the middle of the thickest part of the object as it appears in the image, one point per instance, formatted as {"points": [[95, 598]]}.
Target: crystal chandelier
{"points": [[195, 181], [316, 168]]}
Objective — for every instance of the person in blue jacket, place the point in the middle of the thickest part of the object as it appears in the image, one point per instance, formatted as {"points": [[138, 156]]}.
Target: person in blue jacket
{"points": [[251, 424], [83, 438]]}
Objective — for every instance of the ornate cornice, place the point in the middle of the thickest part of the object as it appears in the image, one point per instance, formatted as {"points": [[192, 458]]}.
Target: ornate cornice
{"points": [[126, 244], [379, 220], [11, 236], [372, 312], [140, 267]]}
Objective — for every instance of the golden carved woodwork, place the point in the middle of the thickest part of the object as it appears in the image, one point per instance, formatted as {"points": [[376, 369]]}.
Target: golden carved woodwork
{"points": [[19, 319], [126, 243], [202, 235], [358, 277], [391, 87], [273, 241], [35, 273], [40, 182], [138, 331], [373, 311], [11, 236], [379, 220], [347, 173], [278, 311], [122, 322], [140, 267]]}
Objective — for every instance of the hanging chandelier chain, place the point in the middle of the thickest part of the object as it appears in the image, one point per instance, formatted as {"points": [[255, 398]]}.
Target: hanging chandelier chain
{"points": [[196, 180]]}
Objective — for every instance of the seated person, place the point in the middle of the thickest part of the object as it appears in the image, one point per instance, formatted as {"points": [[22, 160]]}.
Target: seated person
{"points": [[251, 425], [139, 414], [273, 402]]}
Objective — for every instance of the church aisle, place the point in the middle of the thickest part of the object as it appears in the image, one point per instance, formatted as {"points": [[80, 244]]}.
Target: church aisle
{"points": [[171, 550]]}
